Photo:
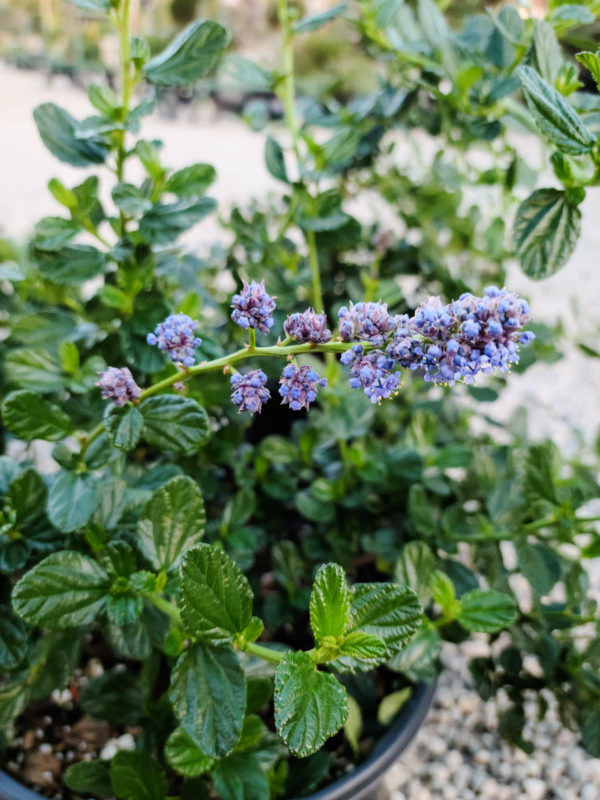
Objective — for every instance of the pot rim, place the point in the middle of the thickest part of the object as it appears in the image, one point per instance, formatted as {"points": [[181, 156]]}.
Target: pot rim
{"points": [[385, 752]]}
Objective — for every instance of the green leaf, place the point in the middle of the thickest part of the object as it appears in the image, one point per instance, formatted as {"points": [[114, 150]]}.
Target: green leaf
{"points": [[310, 706], [14, 639], [123, 426], [72, 265], [36, 370], [592, 62], [57, 129], [208, 693], [130, 199], [30, 416], [52, 233], [353, 726], [275, 161], [392, 704], [417, 659], [590, 732], [414, 568], [487, 611], [329, 602], [172, 522], [190, 56], [316, 21], [191, 181], [363, 646], [166, 221], [540, 565], [547, 54], [64, 590], [216, 598], [442, 590], [553, 115], [89, 777], [136, 776], [123, 609], [115, 696], [242, 73], [72, 501], [92, 5], [14, 697], [240, 776], [184, 756], [546, 230], [172, 422], [27, 495]]}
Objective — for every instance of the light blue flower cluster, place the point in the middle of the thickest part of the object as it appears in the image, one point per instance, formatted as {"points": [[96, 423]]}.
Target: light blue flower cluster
{"points": [[249, 391], [366, 322], [118, 385], [176, 337], [253, 307], [307, 326], [299, 386], [372, 372]]}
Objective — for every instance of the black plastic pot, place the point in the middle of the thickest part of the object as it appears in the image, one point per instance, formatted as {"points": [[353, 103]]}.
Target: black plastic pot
{"points": [[364, 783]]}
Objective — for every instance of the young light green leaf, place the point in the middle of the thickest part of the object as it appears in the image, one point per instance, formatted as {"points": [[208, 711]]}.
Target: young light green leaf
{"points": [[442, 590], [329, 602], [546, 230], [553, 115], [64, 590], [414, 568], [190, 55], [353, 726], [208, 693], [123, 426], [184, 756], [392, 704], [241, 776], [310, 706], [89, 777], [487, 611], [30, 416], [364, 646], [317, 21], [57, 130], [172, 422], [14, 639], [216, 598], [72, 501], [136, 776], [173, 521], [592, 62]]}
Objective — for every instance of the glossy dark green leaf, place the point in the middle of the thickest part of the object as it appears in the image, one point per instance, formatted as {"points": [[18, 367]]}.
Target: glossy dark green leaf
{"points": [[208, 693], [64, 590], [124, 609], [487, 611], [166, 221], [115, 696], [136, 776], [191, 54], [27, 495], [72, 500], [275, 161], [191, 181], [329, 602], [52, 233], [172, 422], [57, 129], [310, 706], [89, 777], [14, 696], [31, 416], [123, 426], [240, 776], [554, 116], [184, 756], [14, 639], [72, 265], [216, 598], [173, 521], [130, 199], [546, 230], [414, 568], [539, 564], [36, 370]]}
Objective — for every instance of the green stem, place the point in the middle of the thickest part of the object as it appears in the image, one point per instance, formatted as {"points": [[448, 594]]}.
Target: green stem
{"points": [[166, 607], [123, 22], [251, 339], [274, 656], [313, 260]]}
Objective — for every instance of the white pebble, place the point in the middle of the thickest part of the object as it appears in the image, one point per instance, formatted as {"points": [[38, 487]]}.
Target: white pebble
{"points": [[535, 788]]}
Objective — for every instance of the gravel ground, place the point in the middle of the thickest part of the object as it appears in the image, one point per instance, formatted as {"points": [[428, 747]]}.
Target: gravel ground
{"points": [[457, 754]]}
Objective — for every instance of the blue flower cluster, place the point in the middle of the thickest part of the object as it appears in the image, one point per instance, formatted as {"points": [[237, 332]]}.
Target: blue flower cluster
{"points": [[463, 339], [249, 391], [299, 386], [253, 307], [366, 322], [176, 337], [118, 385], [307, 326], [372, 372]]}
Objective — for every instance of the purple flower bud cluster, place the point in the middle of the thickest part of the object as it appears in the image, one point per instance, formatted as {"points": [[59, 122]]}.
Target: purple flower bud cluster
{"points": [[372, 372], [176, 337], [299, 386], [249, 391], [307, 327], [118, 385], [253, 307], [471, 336], [366, 322]]}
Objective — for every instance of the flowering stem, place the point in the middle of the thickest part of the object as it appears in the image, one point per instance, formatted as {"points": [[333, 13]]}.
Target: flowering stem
{"points": [[251, 339], [313, 260]]}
